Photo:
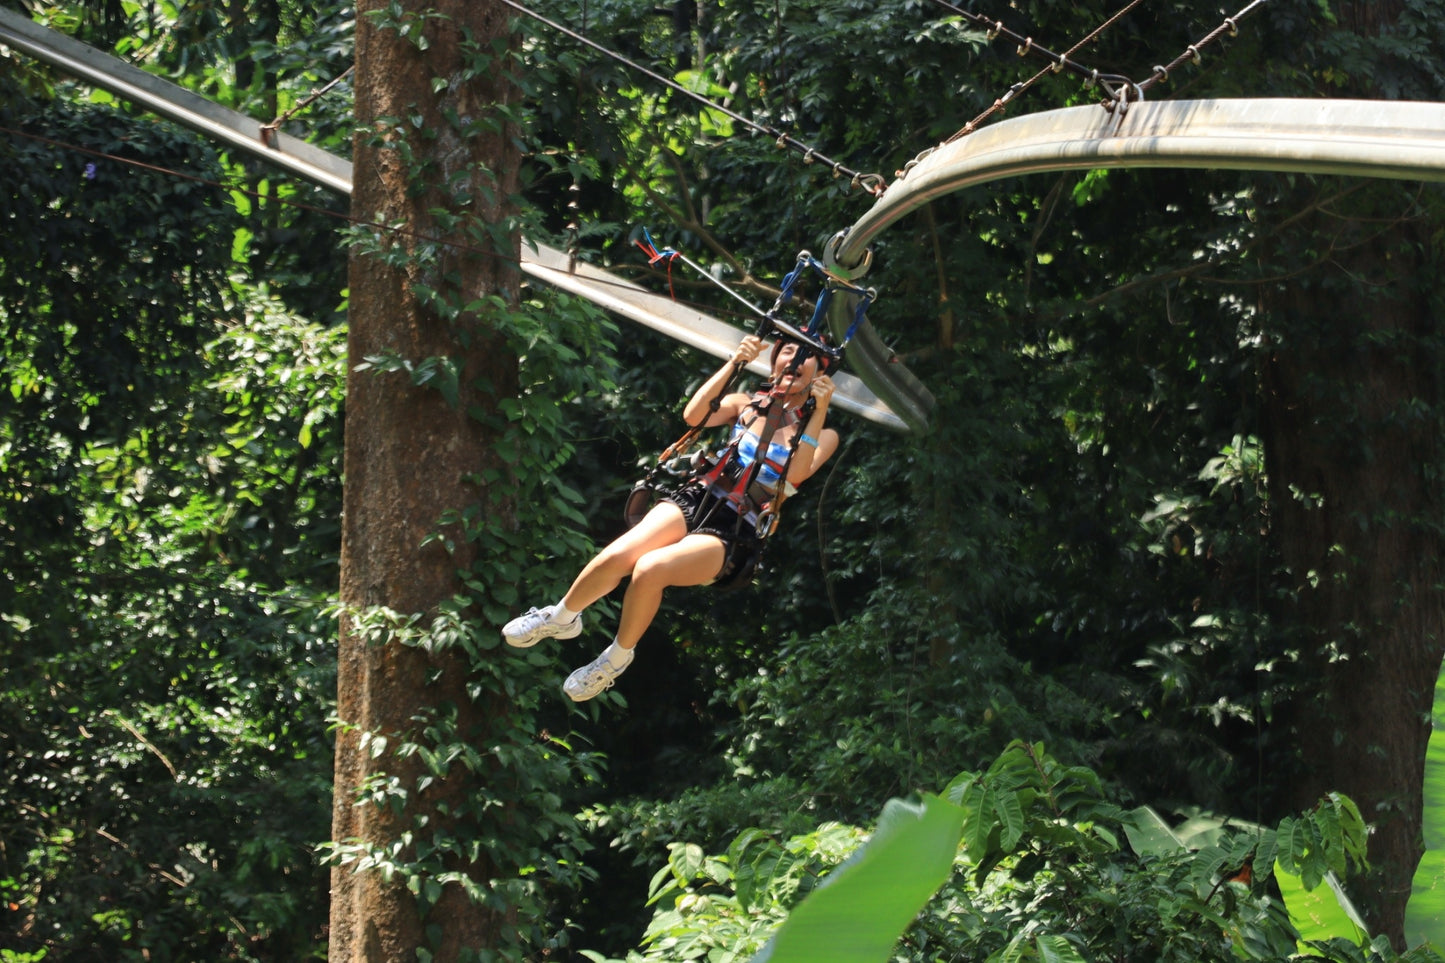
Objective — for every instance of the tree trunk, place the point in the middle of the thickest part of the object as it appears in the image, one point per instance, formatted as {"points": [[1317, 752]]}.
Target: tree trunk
{"points": [[1352, 433], [411, 453]]}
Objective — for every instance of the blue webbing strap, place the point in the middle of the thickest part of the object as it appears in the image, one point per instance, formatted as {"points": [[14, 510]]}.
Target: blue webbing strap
{"points": [[790, 279], [859, 316]]}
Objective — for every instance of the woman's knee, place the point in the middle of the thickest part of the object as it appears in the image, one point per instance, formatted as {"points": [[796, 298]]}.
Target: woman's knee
{"points": [[677, 565], [651, 569], [662, 528], [616, 560]]}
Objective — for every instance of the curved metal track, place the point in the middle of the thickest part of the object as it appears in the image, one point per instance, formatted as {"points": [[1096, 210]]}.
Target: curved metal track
{"points": [[541, 263], [1391, 139]]}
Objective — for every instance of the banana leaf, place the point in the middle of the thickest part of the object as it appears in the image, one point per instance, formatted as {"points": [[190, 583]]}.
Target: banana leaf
{"points": [[1425, 912], [1322, 913], [860, 911]]}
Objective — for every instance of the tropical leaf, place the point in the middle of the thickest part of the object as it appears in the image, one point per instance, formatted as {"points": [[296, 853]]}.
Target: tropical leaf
{"points": [[861, 909], [1323, 912], [1318, 906], [1425, 913], [1149, 834], [1057, 949], [1011, 816], [1206, 868]]}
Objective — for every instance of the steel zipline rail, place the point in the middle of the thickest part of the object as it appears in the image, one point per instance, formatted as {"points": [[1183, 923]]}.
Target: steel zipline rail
{"points": [[267, 143], [1383, 139]]}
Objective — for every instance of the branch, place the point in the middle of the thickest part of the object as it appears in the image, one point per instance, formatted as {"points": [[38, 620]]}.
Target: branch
{"points": [[173, 880], [1195, 269], [143, 741], [691, 222]]}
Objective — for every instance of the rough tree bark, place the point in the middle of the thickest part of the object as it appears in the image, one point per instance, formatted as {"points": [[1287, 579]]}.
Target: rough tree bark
{"points": [[408, 451], [1352, 431]]}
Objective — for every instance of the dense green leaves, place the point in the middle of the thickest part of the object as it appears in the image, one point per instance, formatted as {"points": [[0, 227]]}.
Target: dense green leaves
{"points": [[1050, 871], [165, 662], [170, 446], [1425, 919], [1084, 552]]}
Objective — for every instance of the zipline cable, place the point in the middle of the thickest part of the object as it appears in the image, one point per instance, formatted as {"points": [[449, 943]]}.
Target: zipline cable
{"points": [[1119, 87], [872, 183], [1191, 52], [350, 220], [1027, 47], [1057, 62]]}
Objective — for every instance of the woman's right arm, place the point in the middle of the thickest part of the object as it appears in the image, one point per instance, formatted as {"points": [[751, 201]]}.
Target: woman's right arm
{"points": [[699, 404]]}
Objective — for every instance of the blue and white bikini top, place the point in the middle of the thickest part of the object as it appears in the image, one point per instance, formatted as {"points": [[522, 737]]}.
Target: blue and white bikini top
{"points": [[747, 452], [776, 459]]}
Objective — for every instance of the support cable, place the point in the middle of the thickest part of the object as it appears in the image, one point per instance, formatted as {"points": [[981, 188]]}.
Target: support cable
{"points": [[268, 131], [1191, 52], [1119, 104], [1027, 47], [1058, 63], [1121, 89], [872, 183]]}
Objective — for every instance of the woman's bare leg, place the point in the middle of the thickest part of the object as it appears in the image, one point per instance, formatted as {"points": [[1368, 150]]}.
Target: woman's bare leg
{"points": [[693, 560], [662, 526]]}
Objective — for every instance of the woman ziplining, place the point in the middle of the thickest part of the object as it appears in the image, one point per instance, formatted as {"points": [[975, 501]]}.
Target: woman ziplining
{"points": [[700, 533], [711, 528], [707, 531]]}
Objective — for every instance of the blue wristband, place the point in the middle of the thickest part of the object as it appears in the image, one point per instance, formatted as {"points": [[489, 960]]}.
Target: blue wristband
{"points": [[809, 440]]}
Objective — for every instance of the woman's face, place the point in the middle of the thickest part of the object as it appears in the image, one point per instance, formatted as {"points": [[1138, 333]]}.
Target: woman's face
{"points": [[806, 372]]}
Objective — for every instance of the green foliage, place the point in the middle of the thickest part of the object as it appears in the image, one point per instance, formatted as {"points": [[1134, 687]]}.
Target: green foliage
{"points": [[89, 358], [727, 907], [164, 666], [870, 899], [1049, 869], [1082, 552], [1425, 913], [1315, 850], [170, 448]]}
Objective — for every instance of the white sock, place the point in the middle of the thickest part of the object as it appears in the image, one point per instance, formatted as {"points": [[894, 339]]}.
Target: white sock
{"points": [[561, 614], [619, 657]]}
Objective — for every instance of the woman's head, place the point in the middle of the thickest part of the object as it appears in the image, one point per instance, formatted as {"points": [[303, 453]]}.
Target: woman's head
{"points": [[785, 353]]}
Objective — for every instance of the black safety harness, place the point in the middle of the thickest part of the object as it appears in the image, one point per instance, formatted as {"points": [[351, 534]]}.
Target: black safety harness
{"points": [[723, 480]]}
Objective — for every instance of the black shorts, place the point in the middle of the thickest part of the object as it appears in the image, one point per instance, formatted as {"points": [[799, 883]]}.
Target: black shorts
{"points": [[707, 514]]}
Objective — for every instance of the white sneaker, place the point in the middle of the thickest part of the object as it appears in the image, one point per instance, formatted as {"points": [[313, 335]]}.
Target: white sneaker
{"points": [[592, 679], [534, 625]]}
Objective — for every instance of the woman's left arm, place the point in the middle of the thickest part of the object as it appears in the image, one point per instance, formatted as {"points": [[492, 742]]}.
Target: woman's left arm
{"points": [[817, 443]]}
